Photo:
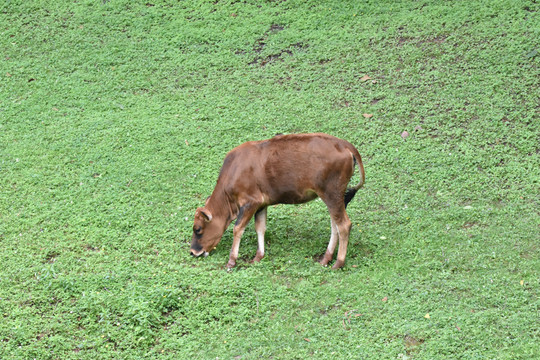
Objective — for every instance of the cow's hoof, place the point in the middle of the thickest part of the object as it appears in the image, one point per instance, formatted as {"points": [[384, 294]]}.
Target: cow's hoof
{"points": [[231, 264], [258, 257], [338, 264], [326, 259]]}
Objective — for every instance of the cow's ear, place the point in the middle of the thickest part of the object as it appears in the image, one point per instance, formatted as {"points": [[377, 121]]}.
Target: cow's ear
{"points": [[206, 213], [206, 202]]}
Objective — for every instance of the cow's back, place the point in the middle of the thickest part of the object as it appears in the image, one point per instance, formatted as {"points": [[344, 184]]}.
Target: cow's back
{"points": [[286, 168], [297, 167]]}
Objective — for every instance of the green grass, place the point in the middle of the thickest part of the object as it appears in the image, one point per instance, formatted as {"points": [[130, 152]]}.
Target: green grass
{"points": [[114, 120]]}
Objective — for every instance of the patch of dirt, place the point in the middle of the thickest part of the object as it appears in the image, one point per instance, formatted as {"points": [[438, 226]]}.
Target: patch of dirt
{"points": [[276, 28], [260, 44], [245, 259], [262, 61], [318, 257], [433, 40], [469, 225], [51, 257], [42, 335], [89, 247], [411, 344], [403, 39], [376, 100]]}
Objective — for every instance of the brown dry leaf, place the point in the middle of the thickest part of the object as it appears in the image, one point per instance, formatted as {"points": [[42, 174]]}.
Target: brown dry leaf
{"points": [[404, 134], [306, 339], [8, 74], [367, 116], [365, 78], [385, 299]]}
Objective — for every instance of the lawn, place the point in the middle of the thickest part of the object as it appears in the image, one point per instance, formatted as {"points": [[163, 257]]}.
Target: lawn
{"points": [[115, 117]]}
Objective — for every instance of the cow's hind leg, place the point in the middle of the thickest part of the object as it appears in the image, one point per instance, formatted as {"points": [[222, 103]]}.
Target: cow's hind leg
{"points": [[344, 228], [331, 244], [260, 228], [340, 220]]}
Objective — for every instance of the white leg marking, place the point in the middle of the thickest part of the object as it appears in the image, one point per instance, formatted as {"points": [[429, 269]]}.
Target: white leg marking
{"points": [[333, 237], [260, 228], [260, 243]]}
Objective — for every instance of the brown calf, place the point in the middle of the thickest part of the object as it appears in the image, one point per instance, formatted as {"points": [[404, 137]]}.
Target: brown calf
{"points": [[286, 169]]}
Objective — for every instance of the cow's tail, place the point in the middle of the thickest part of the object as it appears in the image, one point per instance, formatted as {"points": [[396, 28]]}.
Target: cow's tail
{"points": [[350, 192]]}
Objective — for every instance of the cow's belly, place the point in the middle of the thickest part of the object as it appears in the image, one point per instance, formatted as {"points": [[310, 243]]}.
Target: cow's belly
{"points": [[294, 197]]}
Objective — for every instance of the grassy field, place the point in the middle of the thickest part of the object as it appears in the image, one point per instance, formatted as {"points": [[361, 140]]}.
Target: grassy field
{"points": [[115, 117]]}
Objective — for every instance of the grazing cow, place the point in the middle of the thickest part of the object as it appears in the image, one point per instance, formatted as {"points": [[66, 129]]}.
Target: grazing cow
{"points": [[286, 169]]}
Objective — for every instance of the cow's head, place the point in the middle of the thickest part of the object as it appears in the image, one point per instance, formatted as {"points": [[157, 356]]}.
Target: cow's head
{"points": [[207, 232]]}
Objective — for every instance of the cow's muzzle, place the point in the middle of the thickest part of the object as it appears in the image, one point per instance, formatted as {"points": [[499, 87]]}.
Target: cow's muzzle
{"points": [[198, 253]]}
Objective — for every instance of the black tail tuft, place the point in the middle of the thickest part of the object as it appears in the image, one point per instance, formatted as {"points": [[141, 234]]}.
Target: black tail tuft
{"points": [[349, 194]]}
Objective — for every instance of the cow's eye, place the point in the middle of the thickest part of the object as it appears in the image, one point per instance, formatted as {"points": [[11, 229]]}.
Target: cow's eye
{"points": [[197, 230]]}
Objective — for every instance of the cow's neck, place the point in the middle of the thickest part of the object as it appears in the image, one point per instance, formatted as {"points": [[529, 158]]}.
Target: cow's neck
{"points": [[222, 206]]}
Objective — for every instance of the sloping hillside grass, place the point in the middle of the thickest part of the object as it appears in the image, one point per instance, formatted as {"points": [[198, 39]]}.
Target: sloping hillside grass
{"points": [[115, 117]]}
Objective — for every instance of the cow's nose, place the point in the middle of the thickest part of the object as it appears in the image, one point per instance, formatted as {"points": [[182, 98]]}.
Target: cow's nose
{"points": [[197, 253]]}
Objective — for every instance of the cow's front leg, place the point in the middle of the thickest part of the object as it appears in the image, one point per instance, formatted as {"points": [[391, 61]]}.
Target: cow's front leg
{"points": [[260, 228], [244, 215], [237, 234]]}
